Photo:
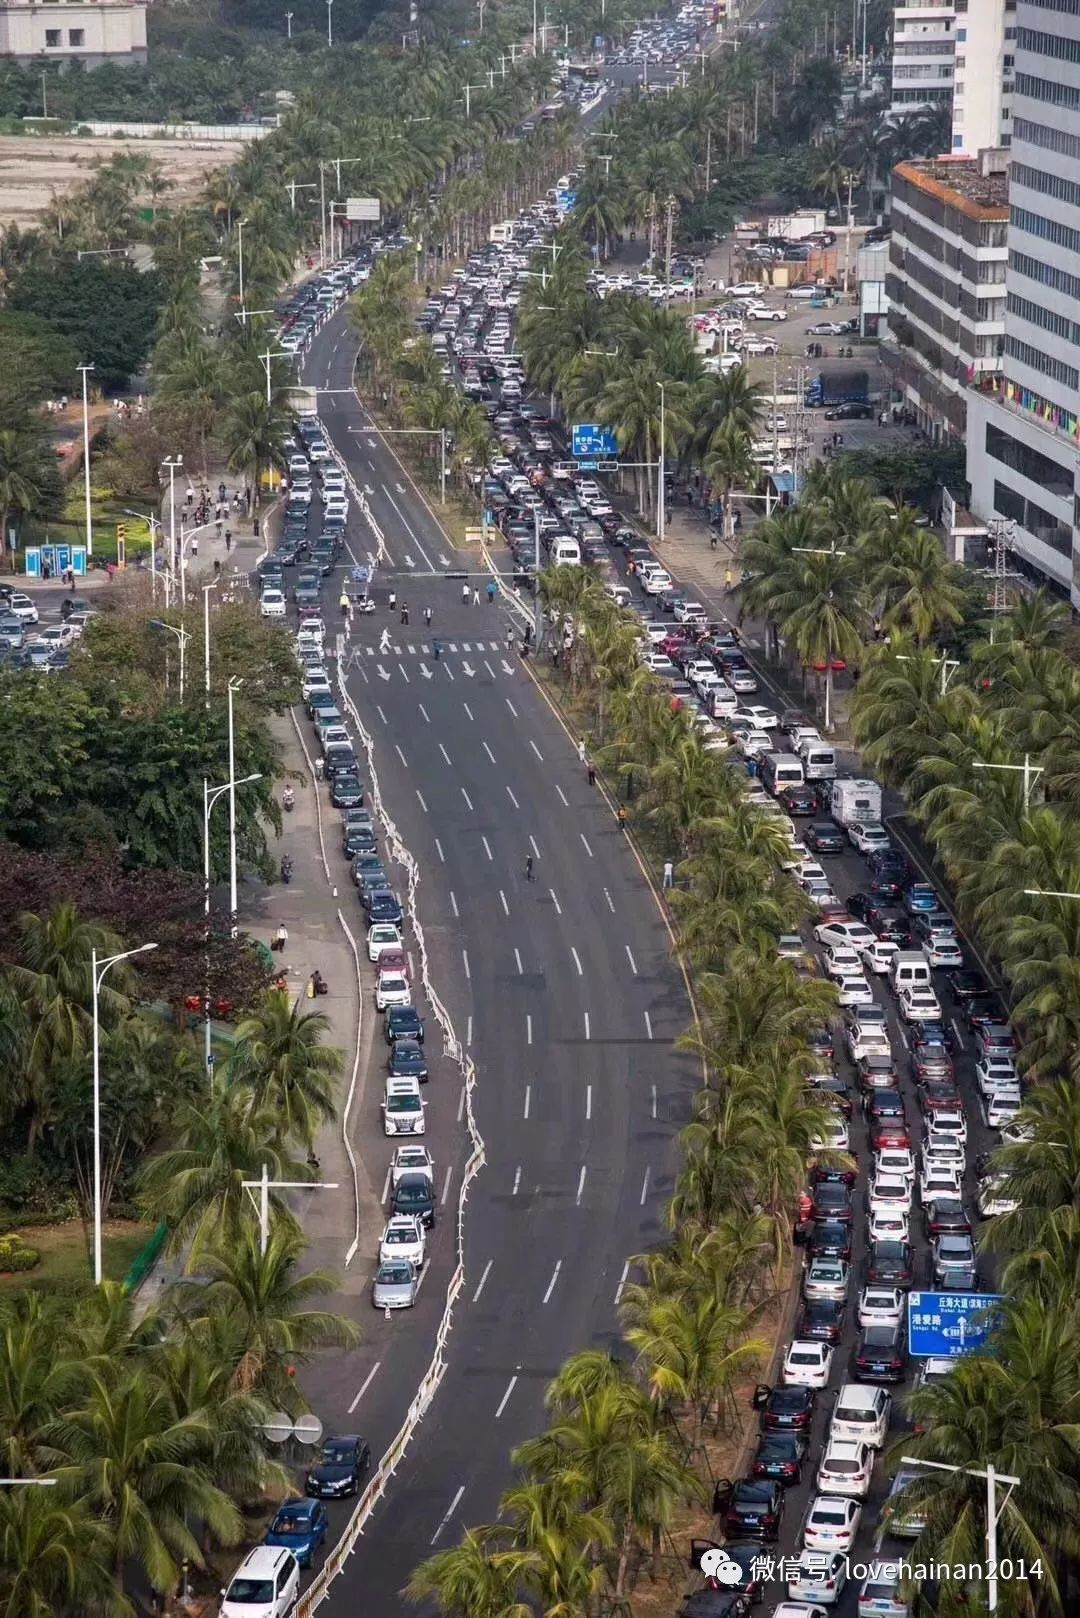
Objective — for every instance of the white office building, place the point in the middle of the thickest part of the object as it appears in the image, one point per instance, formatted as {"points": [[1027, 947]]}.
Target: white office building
{"points": [[956, 53], [1024, 437], [86, 31]]}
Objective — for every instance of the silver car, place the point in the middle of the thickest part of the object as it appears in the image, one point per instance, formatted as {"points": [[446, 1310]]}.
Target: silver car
{"points": [[394, 1286]]}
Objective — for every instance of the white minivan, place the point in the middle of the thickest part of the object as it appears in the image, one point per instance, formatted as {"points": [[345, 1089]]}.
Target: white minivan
{"points": [[819, 760], [566, 553]]}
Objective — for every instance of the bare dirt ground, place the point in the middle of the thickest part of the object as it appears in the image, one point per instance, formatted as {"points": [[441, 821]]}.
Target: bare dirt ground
{"points": [[36, 168]]}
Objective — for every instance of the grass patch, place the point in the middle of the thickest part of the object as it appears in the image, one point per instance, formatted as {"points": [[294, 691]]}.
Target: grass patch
{"points": [[106, 514], [66, 1263]]}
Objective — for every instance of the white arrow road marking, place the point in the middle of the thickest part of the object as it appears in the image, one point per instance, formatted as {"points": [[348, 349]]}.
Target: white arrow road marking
{"points": [[508, 668], [444, 561], [371, 444], [469, 670], [383, 673], [400, 487], [409, 562], [368, 489], [426, 672]]}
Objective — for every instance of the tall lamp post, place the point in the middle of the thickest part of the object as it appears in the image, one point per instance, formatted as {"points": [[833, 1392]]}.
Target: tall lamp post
{"points": [[234, 685], [993, 1512], [98, 970], [206, 589], [183, 636], [265, 1185], [210, 797], [330, 23], [240, 223], [175, 464], [661, 492], [86, 369]]}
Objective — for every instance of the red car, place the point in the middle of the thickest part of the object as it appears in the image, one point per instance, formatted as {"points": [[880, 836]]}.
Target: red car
{"points": [[672, 644], [393, 960]]}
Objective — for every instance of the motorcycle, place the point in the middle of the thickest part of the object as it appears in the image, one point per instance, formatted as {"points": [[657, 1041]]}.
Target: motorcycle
{"points": [[288, 798], [286, 869]]}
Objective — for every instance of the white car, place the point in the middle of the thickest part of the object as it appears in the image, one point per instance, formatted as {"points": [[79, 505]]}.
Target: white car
{"points": [[888, 1225], [835, 1139], [868, 836], [57, 635], [1001, 1109], [412, 1160], [655, 582], [403, 1238], [382, 939], [807, 1365], [392, 989], [272, 604], [656, 631], [939, 1180], [853, 989], [759, 345], [764, 311], [896, 1160], [993, 1073], [846, 1467], [868, 1039], [881, 1306], [818, 1576], [944, 951], [759, 717], [992, 1201], [798, 1609], [657, 663], [943, 1154], [690, 612], [878, 956], [754, 743], [831, 1523], [403, 1107], [890, 1193], [919, 1005], [267, 1582], [943, 1128], [23, 608], [854, 933], [841, 958]]}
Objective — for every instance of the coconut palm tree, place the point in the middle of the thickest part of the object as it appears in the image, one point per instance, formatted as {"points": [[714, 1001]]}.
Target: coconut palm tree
{"points": [[820, 610], [694, 1353], [280, 1055], [475, 1579], [261, 1296], [921, 591], [39, 1374], [254, 432], [54, 1557]]}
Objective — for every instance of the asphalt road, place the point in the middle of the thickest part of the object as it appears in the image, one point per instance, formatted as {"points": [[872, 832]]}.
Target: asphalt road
{"points": [[564, 989]]}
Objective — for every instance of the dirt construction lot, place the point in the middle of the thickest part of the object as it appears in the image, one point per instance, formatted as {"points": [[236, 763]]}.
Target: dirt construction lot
{"points": [[36, 168]]}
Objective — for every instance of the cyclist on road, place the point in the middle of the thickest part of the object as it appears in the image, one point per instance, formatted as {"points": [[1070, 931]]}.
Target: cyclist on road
{"points": [[528, 868]]}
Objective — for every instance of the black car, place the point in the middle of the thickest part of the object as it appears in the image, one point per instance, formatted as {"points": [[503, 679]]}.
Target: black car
{"points": [[964, 985], [890, 1263], [946, 1216], [833, 1174], [366, 865], [822, 1320], [755, 1510], [415, 1194], [780, 1456], [835, 1091], [746, 1553], [339, 1468], [358, 840], [880, 1354], [889, 862], [784, 1409], [982, 1008], [339, 759], [828, 1238], [831, 1201], [404, 1022], [346, 790], [385, 907], [825, 838], [798, 801], [851, 411], [407, 1060], [882, 920]]}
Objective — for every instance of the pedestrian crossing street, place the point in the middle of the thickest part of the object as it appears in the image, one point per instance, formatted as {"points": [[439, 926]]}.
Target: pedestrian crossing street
{"points": [[474, 659]]}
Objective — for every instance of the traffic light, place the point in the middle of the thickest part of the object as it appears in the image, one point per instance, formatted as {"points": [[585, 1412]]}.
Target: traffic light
{"points": [[121, 544]]}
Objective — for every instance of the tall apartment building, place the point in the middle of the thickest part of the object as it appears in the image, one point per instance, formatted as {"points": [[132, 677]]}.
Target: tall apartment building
{"points": [[87, 31], [945, 285], [1024, 436], [956, 53]]}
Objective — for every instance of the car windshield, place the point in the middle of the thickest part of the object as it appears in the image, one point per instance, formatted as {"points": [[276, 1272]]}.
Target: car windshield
{"points": [[400, 1238], [402, 1104], [253, 1590], [394, 1274]]}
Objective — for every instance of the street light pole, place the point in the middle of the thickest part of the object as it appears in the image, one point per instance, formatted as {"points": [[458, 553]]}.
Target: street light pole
{"points": [[86, 369], [234, 685], [98, 970], [329, 23], [265, 1185], [210, 797], [1029, 771], [993, 1512], [240, 223], [660, 500], [206, 589], [183, 636], [173, 462]]}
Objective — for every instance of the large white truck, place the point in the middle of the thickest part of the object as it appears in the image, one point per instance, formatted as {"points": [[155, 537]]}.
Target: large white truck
{"points": [[854, 802], [795, 227]]}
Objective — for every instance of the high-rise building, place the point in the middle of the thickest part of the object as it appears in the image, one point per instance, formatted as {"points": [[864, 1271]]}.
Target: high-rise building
{"points": [[945, 284], [959, 54], [1024, 432], [86, 31]]}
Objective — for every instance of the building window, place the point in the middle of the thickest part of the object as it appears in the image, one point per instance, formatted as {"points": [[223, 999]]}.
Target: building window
{"points": [[1070, 8], [1048, 274], [1051, 140], [1059, 46], [1051, 185], [1049, 229], [957, 140], [961, 35], [1067, 375], [1038, 523], [1011, 452], [52, 38], [1048, 90], [76, 36]]}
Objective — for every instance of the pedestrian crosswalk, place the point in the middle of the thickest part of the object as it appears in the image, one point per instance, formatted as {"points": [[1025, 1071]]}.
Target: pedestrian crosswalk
{"points": [[423, 649]]}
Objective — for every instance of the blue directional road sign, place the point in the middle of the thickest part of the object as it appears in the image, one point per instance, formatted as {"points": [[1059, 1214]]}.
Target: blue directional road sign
{"points": [[589, 442], [944, 1325]]}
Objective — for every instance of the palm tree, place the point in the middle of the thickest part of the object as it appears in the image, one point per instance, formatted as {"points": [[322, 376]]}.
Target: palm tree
{"points": [[54, 1557], [253, 434], [819, 611], [695, 1353], [39, 1373], [21, 474], [921, 591], [1041, 1174], [197, 1185], [474, 1579], [141, 1472], [279, 1053], [262, 1297], [730, 462]]}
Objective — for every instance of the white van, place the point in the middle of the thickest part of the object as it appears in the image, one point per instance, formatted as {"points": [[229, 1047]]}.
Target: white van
{"points": [[819, 760], [861, 1412], [910, 970], [566, 553], [780, 770], [619, 594]]}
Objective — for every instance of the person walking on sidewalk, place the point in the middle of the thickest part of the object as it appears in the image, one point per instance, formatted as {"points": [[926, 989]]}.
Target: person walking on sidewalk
{"points": [[590, 772], [405, 612], [669, 874], [228, 541], [391, 600], [465, 594], [281, 937], [475, 596], [427, 617], [581, 751]]}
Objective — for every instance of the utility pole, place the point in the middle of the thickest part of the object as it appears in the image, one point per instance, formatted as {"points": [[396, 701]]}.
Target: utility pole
{"points": [[708, 160], [1029, 771], [661, 503], [669, 207], [288, 24], [85, 369]]}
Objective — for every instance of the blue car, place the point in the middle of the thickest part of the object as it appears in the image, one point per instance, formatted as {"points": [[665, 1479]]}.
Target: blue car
{"points": [[300, 1526], [920, 896]]}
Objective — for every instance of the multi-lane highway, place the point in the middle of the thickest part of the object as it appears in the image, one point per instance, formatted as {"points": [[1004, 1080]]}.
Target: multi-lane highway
{"points": [[563, 988]]}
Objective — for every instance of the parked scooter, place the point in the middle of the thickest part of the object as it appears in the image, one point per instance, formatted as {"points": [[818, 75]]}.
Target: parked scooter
{"points": [[288, 798]]}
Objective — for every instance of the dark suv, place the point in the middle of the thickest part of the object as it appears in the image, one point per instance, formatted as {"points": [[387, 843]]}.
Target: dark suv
{"points": [[755, 1509]]}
